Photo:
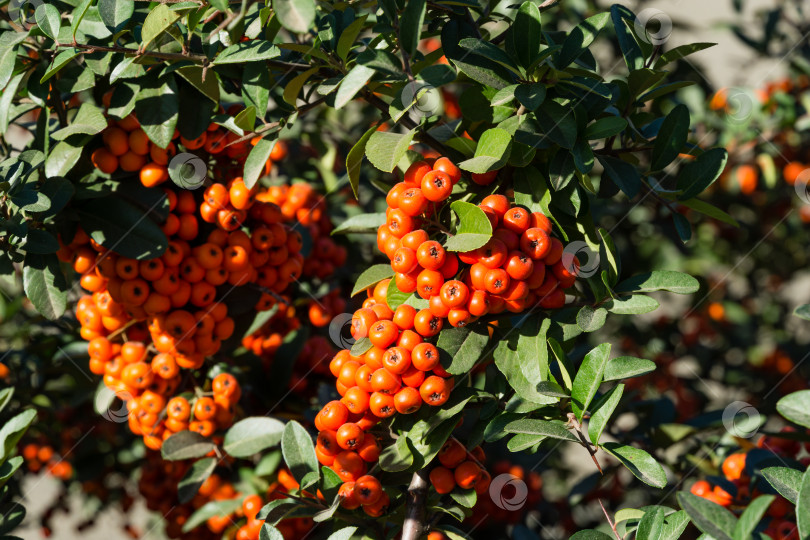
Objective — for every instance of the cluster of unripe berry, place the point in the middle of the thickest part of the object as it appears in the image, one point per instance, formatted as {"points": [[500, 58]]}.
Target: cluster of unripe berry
{"points": [[519, 267], [781, 514]]}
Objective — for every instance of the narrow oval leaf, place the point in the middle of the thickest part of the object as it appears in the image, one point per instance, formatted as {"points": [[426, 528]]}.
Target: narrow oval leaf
{"points": [[602, 411], [588, 378], [659, 280], [385, 149], [252, 435], [796, 407], [45, 285], [48, 20], [786, 481], [298, 451], [712, 519], [671, 137], [641, 464], [371, 276], [185, 445]]}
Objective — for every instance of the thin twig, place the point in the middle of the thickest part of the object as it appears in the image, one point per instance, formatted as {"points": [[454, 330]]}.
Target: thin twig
{"points": [[610, 522]]}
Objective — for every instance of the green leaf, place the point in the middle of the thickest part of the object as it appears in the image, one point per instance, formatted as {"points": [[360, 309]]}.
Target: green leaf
{"points": [[157, 108], [198, 473], [632, 305], [353, 82], [590, 319], [557, 123], [700, 173], [605, 127], [602, 411], [224, 507], [659, 280], [489, 51], [13, 430], [6, 99], [554, 429], [295, 15], [796, 407], [361, 223], [712, 519], [465, 497], [461, 348], [531, 190], [474, 228], [371, 276], [624, 367], [59, 61], [44, 284], [491, 153], [62, 158], [410, 25], [121, 227], [395, 297], [89, 120], [786, 481], [349, 36], [115, 14], [343, 534], [650, 526], [590, 534], [385, 149], [8, 54], [40, 242], [526, 33], [671, 137], [11, 515], [580, 37], [159, 19], [268, 532], [674, 525], [681, 52], [185, 445], [251, 435], [623, 20], [588, 378], [48, 20], [249, 51], [5, 396], [257, 160], [623, 174], [752, 516], [299, 452], [295, 85], [396, 457], [8, 469], [705, 208], [354, 159], [641, 464]]}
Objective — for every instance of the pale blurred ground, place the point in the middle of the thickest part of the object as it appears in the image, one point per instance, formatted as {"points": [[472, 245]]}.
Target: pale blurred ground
{"points": [[727, 64]]}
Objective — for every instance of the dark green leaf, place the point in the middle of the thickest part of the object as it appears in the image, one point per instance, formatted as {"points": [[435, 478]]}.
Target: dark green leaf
{"points": [[632, 305], [410, 25], [712, 519], [526, 33], [121, 227], [396, 457], [681, 52], [641, 464], [580, 38], [752, 516], [557, 123], [44, 284], [157, 108], [700, 173], [605, 127], [623, 174], [547, 428], [461, 348], [185, 445], [198, 473], [13, 430], [671, 137], [89, 120], [40, 242], [623, 20]]}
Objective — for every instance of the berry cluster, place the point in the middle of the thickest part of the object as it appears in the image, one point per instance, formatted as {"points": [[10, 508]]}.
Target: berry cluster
{"points": [[38, 457], [461, 468], [519, 267], [741, 487]]}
